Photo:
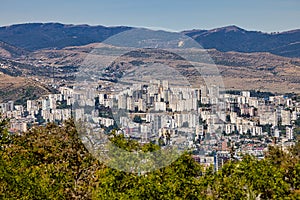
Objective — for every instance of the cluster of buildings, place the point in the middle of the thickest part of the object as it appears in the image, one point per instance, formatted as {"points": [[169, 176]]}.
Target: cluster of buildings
{"points": [[215, 125]]}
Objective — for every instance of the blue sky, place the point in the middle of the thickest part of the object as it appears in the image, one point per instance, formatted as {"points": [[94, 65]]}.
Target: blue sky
{"points": [[263, 15]]}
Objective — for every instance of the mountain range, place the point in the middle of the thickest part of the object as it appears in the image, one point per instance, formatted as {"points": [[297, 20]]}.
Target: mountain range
{"points": [[36, 36], [30, 55]]}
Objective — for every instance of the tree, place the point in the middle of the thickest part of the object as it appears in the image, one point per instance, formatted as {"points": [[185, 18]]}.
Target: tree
{"points": [[51, 162], [137, 119], [4, 136], [47, 163], [177, 181], [228, 118], [250, 177]]}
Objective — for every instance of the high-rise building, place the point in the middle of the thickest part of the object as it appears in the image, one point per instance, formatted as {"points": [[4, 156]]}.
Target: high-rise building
{"points": [[165, 84], [160, 106], [289, 133], [246, 93], [130, 104], [142, 105], [285, 117], [122, 101]]}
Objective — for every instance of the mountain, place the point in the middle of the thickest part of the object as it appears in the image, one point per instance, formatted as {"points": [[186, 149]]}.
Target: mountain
{"points": [[33, 36], [55, 52], [233, 38]]}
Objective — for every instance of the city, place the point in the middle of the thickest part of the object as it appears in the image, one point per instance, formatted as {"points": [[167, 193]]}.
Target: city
{"points": [[215, 126], [147, 100]]}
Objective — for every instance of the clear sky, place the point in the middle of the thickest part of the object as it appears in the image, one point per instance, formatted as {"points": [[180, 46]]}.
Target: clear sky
{"points": [[263, 15]]}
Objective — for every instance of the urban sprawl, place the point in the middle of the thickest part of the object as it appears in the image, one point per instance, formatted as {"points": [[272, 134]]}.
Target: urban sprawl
{"points": [[216, 126]]}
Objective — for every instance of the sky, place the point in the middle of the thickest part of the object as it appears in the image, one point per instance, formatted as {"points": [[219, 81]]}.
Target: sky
{"points": [[262, 15]]}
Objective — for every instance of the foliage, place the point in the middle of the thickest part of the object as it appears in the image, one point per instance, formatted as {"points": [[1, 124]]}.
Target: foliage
{"points": [[234, 92], [297, 121], [267, 128], [51, 163], [261, 94], [202, 105], [137, 119], [47, 163], [62, 105], [4, 136]]}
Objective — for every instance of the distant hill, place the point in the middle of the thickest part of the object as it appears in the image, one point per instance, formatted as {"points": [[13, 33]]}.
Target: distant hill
{"points": [[233, 38], [35, 36], [240, 71], [21, 89]]}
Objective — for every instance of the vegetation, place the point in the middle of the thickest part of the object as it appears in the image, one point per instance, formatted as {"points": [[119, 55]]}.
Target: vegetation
{"points": [[137, 119], [29, 93], [63, 105], [234, 92], [202, 105], [52, 163], [267, 128], [261, 94]]}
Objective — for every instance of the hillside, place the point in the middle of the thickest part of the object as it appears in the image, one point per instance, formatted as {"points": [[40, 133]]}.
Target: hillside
{"points": [[33, 36], [9, 51], [20, 89], [232, 38], [240, 71]]}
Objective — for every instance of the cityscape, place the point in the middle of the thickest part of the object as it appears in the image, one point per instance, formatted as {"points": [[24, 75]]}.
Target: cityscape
{"points": [[150, 100], [216, 126]]}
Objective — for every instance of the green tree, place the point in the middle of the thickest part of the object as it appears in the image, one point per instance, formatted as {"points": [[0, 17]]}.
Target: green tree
{"points": [[137, 119], [51, 162], [4, 136], [47, 163]]}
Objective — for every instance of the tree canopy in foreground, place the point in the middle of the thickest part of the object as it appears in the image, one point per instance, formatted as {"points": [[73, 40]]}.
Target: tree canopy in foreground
{"points": [[52, 163]]}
